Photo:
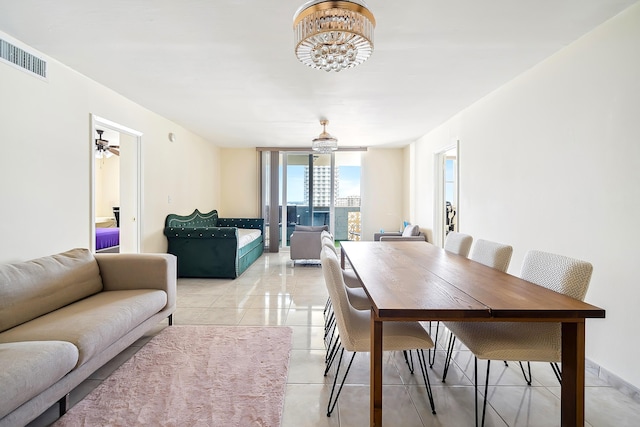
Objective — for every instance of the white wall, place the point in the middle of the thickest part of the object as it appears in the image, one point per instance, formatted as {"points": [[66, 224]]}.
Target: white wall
{"points": [[107, 185], [381, 187], [551, 161], [46, 142], [240, 192]]}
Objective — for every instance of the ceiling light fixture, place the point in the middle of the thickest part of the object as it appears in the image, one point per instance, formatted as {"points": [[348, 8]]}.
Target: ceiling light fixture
{"points": [[324, 143], [333, 35], [103, 150]]}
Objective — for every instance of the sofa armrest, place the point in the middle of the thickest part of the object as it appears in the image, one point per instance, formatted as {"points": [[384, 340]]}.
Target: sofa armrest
{"points": [[420, 238], [139, 271], [377, 236]]}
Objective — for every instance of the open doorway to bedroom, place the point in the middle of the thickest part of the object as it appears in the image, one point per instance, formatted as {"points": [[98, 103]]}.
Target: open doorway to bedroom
{"points": [[116, 187], [107, 190]]}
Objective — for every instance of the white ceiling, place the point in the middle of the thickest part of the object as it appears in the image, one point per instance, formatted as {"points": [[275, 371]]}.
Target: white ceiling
{"points": [[225, 69]]}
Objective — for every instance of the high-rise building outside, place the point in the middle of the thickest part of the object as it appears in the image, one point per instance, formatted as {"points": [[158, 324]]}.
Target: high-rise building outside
{"points": [[349, 201], [321, 185]]}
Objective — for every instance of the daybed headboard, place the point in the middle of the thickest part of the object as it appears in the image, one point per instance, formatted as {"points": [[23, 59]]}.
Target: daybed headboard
{"points": [[196, 219]]}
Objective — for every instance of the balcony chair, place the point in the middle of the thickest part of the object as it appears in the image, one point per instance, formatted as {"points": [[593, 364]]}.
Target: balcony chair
{"points": [[530, 341], [354, 329], [305, 242]]}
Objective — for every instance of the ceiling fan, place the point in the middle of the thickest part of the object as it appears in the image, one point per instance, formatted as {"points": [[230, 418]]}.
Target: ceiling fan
{"points": [[103, 149]]}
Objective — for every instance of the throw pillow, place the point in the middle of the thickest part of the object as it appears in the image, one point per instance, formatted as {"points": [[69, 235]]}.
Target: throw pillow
{"points": [[411, 230]]}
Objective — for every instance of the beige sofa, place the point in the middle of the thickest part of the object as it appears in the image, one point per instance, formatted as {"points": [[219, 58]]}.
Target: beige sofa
{"points": [[411, 233], [64, 316]]}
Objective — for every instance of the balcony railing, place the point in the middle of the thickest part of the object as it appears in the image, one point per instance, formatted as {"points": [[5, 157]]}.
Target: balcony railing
{"points": [[347, 220]]}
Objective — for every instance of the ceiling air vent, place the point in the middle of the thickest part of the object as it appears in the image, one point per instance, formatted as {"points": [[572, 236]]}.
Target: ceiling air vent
{"points": [[22, 59]]}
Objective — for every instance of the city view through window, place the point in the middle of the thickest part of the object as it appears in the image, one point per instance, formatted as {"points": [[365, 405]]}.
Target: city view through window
{"points": [[304, 188], [309, 192], [347, 185]]}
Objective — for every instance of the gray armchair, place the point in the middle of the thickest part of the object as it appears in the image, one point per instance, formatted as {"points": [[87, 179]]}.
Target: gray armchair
{"points": [[306, 242], [411, 233]]}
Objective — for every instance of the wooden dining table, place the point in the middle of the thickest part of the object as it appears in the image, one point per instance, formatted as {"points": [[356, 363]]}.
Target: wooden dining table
{"points": [[417, 281]]}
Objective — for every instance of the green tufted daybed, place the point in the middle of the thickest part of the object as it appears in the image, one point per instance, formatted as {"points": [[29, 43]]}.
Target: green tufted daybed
{"points": [[208, 246]]}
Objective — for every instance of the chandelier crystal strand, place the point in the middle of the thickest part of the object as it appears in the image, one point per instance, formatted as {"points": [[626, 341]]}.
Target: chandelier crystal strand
{"points": [[333, 35]]}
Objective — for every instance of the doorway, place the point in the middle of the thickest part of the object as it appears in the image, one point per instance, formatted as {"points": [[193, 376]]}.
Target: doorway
{"points": [[116, 184], [312, 189], [307, 186], [447, 206]]}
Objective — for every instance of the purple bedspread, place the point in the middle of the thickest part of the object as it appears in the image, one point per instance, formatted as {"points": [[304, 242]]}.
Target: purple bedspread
{"points": [[107, 237]]}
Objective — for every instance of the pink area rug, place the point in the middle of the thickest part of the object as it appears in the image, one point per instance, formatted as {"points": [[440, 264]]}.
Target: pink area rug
{"points": [[194, 376]]}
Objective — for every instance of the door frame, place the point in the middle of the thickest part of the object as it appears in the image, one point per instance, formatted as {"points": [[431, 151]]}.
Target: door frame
{"points": [[97, 121], [439, 193]]}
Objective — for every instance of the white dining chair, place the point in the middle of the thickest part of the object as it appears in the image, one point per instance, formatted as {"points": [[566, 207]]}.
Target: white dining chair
{"points": [[326, 240], [459, 244], [350, 278], [526, 341], [492, 254], [354, 330], [357, 298], [356, 295]]}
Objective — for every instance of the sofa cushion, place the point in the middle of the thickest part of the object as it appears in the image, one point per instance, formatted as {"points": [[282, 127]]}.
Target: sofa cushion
{"points": [[94, 323], [30, 367], [33, 288]]}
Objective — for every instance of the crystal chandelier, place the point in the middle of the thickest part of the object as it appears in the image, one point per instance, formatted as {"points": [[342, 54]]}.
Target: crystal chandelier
{"points": [[324, 143], [333, 35]]}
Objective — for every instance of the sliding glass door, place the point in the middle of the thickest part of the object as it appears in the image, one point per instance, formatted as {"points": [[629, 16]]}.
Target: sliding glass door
{"points": [[308, 183], [315, 189]]}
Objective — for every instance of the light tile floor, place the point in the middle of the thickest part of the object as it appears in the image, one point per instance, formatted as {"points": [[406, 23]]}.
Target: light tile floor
{"points": [[273, 292]]}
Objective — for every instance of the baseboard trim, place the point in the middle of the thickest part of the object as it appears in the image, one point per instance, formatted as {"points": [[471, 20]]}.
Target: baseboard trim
{"points": [[613, 380]]}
